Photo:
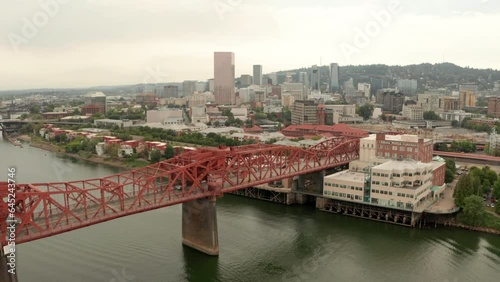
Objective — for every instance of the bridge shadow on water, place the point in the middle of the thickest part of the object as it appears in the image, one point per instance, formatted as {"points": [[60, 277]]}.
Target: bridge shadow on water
{"points": [[198, 266]]}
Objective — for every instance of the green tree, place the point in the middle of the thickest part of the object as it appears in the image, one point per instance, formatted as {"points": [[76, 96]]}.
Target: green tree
{"points": [[260, 116], [497, 209], [61, 138], [463, 189], [27, 128], [489, 174], [477, 186], [449, 176], [450, 164], [442, 147], [73, 147], [463, 146], [112, 150], [486, 186], [473, 211], [430, 115], [455, 123], [286, 114], [155, 156], [49, 108], [496, 189], [248, 123], [169, 152], [366, 111], [34, 109]]}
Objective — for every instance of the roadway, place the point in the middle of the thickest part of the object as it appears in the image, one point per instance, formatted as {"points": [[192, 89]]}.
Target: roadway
{"points": [[466, 156]]}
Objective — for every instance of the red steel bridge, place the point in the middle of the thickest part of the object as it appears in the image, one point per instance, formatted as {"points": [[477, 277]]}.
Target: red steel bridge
{"points": [[47, 209]]}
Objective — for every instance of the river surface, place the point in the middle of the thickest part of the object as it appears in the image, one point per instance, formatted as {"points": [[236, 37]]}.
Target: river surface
{"points": [[259, 241]]}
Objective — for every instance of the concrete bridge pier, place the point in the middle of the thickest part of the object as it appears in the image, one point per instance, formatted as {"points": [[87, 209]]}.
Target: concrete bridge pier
{"points": [[6, 270], [199, 226]]}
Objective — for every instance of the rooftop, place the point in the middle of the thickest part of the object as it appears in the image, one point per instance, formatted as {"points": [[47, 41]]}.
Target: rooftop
{"points": [[96, 94], [358, 177], [338, 128], [402, 165], [398, 137], [75, 117], [221, 130]]}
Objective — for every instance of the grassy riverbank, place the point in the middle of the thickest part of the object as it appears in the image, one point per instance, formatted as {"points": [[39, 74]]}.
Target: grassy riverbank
{"points": [[119, 163]]}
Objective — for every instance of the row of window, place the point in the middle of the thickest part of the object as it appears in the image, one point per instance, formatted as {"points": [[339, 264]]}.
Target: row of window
{"points": [[402, 174], [380, 174], [401, 149], [380, 183], [398, 143], [344, 186], [394, 155], [343, 195], [392, 203], [405, 195], [383, 192]]}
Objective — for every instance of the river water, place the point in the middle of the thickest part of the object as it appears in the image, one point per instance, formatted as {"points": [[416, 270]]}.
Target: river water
{"points": [[259, 241]]}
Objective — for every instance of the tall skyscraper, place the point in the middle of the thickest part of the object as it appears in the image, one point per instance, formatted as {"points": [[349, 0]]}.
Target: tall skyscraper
{"points": [[171, 91], [304, 79], [334, 77], [188, 87], [245, 80], [224, 78], [407, 86], [257, 74], [315, 78]]}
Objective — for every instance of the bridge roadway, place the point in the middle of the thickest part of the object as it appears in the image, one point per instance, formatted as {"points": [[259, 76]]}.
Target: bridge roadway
{"points": [[47, 209], [465, 156], [17, 121]]}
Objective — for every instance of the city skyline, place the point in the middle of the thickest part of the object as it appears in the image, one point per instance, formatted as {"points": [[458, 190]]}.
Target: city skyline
{"points": [[69, 51]]}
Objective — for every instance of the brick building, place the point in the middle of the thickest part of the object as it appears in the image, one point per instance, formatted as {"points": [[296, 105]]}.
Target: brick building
{"points": [[494, 106]]}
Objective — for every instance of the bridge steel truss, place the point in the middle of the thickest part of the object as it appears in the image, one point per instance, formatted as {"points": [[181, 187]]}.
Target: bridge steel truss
{"points": [[47, 209]]}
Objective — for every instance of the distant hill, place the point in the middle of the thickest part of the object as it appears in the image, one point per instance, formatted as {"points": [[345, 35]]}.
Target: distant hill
{"points": [[444, 75]]}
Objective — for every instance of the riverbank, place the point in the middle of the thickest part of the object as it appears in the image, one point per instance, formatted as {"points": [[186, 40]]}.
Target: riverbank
{"points": [[123, 164], [488, 230]]}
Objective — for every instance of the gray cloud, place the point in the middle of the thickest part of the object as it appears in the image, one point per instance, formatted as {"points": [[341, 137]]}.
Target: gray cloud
{"points": [[96, 42]]}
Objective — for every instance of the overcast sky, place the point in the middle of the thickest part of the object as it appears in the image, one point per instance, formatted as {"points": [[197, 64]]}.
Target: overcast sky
{"points": [[84, 43]]}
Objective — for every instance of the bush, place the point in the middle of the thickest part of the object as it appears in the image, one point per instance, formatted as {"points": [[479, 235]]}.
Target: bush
{"points": [[473, 212]]}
